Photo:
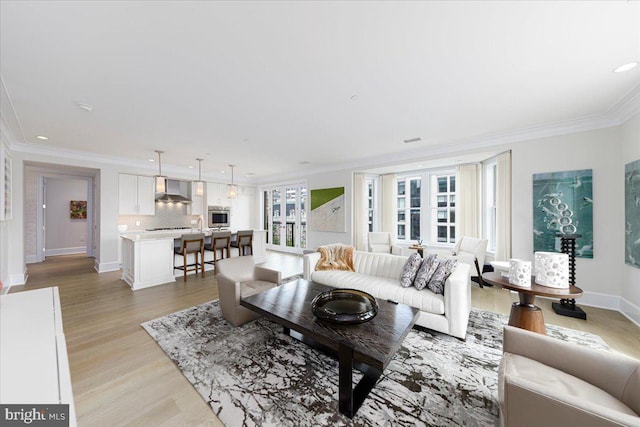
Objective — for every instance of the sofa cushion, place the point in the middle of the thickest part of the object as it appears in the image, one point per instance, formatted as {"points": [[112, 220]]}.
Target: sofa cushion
{"points": [[425, 272], [410, 270], [382, 288], [540, 379], [440, 276]]}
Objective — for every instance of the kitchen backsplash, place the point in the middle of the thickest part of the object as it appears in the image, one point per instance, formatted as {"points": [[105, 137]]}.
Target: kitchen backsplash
{"points": [[167, 215]]}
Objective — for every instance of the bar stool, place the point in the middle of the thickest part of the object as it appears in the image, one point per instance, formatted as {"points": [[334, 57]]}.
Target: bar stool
{"points": [[220, 241], [190, 244], [244, 240]]}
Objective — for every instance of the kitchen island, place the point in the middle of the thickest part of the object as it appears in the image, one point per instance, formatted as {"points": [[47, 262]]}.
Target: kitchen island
{"points": [[148, 257]]}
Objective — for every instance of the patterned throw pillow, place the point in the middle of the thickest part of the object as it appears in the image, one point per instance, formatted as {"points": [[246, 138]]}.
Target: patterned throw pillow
{"points": [[409, 270], [425, 272], [440, 276]]}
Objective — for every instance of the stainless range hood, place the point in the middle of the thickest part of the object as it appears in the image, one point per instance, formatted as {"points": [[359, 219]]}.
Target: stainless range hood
{"points": [[177, 191]]}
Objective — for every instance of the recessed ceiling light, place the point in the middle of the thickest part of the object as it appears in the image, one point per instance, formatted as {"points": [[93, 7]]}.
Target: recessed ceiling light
{"points": [[625, 67], [250, 174], [354, 97], [221, 171], [152, 160], [304, 162], [410, 140], [190, 166], [42, 137], [85, 107]]}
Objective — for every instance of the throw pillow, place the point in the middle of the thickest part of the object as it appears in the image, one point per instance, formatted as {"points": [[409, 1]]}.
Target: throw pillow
{"points": [[409, 270], [428, 267], [440, 276], [335, 257]]}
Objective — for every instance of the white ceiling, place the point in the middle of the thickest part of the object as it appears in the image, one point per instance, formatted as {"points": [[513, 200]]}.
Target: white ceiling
{"points": [[268, 85]]}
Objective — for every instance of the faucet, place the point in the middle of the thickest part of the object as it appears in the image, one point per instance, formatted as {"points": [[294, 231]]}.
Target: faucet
{"points": [[200, 221]]}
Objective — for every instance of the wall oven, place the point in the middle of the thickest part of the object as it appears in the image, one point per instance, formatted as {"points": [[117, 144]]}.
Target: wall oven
{"points": [[219, 217]]}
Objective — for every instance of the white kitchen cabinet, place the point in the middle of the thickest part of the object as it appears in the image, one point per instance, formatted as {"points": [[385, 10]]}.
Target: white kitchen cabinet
{"points": [[136, 195], [217, 194]]}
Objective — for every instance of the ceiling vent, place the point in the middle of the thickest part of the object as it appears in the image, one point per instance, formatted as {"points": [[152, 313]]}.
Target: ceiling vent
{"points": [[409, 141]]}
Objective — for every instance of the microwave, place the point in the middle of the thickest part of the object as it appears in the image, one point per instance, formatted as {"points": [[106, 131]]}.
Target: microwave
{"points": [[218, 217]]}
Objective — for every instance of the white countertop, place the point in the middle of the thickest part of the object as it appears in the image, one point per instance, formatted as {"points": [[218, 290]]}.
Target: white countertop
{"points": [[167, 234]]}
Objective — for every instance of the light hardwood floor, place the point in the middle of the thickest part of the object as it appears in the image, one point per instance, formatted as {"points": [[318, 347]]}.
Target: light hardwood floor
{"points": [[120, 376]]}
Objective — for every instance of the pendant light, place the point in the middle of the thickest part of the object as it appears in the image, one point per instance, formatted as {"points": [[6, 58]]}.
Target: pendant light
{"points": [[161, 180], [199, 183], [232, 189]]}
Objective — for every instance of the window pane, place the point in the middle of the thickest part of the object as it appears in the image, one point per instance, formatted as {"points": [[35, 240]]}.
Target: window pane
{"points": [[401, 231], [415, 193], [442, 184], [442, 201], [452, 183], [401, 188], [452, 234], [442, 234], [401, 216], [452, 216], [401, 203], [452, 201], [415, 224], [442, 215]]}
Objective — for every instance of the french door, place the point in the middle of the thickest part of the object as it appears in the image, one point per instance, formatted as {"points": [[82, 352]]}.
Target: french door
{"points": [[285, 217]]}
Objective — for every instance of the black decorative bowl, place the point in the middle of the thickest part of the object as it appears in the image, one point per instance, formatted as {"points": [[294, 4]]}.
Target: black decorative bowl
{"points": [[345, 306]]}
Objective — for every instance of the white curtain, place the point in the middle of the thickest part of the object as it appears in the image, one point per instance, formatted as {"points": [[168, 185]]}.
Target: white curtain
{"points": [[468, 201], [503, 206], [388, 214], [360, 212]]}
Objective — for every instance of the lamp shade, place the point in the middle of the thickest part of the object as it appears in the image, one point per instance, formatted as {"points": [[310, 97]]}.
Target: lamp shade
{"points": [[199, 188], [161, 184], [232, 191], [552, 269]]}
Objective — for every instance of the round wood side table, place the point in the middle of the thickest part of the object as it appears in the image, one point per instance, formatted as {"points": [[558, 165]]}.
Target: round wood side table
{"points": [[525, 314]]}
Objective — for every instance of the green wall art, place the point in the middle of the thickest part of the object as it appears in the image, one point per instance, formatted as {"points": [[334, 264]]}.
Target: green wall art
{"points": [[563, 204], [632, 213], [328, 210]]}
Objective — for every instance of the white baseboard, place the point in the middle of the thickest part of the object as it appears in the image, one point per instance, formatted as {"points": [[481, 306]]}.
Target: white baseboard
{"points": [[18, 279], [66, 251], [104, 267], [631, 311], [610, 302], [31, 259]]}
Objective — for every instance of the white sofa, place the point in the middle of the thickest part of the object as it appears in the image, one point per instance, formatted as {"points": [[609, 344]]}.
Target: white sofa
{"points": [[379, 275]]}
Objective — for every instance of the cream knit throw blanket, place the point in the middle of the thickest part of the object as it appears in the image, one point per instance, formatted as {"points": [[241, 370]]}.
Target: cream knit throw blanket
{"points": [[335, 257]]}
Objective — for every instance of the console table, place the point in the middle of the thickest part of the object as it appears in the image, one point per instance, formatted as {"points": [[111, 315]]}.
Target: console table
{"points": [[525, 314]]}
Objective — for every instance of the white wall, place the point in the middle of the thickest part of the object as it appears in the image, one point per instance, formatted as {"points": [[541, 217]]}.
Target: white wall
{"points": [[4, 242], [597, 150], [64, 235], [630, 135]]}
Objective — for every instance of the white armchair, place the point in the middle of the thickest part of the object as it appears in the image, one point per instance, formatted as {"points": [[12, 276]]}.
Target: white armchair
{"points": [[469, 250], [382, 242]]}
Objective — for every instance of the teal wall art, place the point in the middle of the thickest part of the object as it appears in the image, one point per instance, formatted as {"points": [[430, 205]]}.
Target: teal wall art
{"points": [[563, 204], [632, 213]]}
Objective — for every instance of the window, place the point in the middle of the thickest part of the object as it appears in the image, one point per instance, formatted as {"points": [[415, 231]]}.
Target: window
{"points": [[443, 208], [408, 206], [370, 204]]}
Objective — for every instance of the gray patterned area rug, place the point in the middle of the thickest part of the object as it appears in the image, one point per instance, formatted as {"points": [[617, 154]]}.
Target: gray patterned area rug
{"points": [[256, 376]]}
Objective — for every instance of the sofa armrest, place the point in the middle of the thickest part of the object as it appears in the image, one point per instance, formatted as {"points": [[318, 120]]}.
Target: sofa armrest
{"points": [[457, 300], [309, 262], [397, 250], [606, 370], [268, 275]]}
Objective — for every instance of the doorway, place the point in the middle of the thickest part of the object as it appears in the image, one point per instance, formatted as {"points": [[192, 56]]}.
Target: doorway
{"points": [[285, 217]]}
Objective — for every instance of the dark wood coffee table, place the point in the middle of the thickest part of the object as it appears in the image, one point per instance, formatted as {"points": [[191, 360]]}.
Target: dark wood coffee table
{"points": [[525, 314], [367, 347]]}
